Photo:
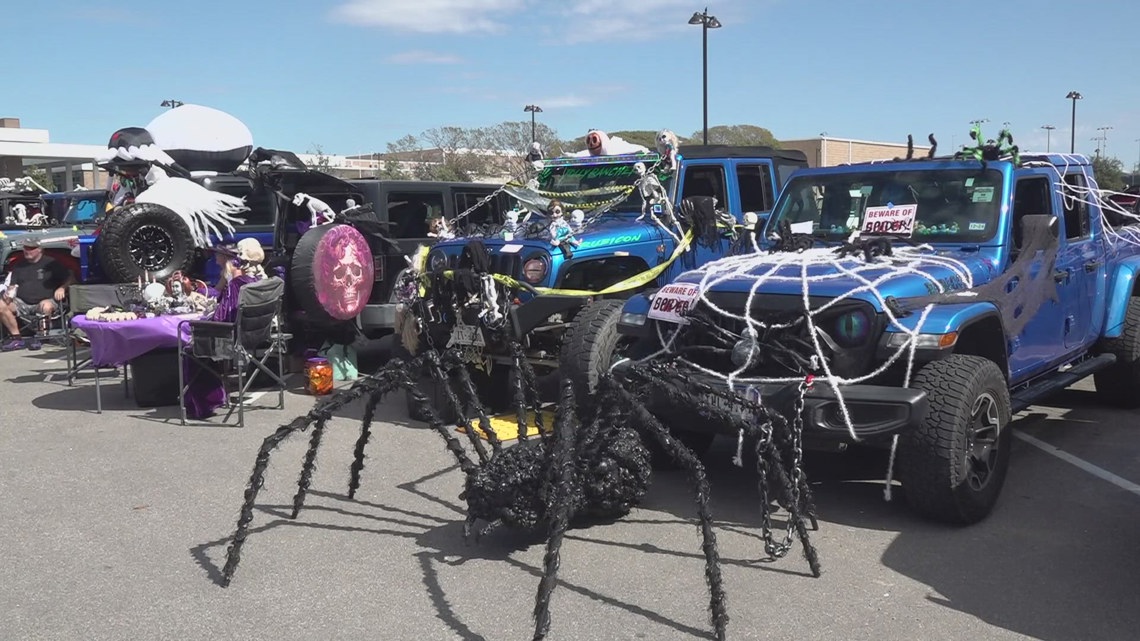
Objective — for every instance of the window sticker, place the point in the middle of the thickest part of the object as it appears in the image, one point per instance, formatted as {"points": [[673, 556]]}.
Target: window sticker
{"points": [[969, 182], [804, 227], [983, 194], [977, 226]]}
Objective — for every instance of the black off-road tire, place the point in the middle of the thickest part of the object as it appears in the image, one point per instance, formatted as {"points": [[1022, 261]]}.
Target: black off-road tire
{"points": [[1119, 384], [588, 350], [147, 231], [946, 473], [589, 344]]}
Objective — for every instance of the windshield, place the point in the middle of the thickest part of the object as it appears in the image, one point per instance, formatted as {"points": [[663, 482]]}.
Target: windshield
{"points": [[931, 205], [82, 210], [589, 187]]}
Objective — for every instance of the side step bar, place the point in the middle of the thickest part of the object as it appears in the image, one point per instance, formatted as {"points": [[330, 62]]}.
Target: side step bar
{"points": [[1058, 381]]}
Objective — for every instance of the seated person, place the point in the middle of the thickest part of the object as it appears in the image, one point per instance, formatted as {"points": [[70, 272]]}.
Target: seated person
{"points": [[240, 264], [40, 284]]}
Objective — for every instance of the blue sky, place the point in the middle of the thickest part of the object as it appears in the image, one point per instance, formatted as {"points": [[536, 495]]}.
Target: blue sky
{"points": [[353, 75]]}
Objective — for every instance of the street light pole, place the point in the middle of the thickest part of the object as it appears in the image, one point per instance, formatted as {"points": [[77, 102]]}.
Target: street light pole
{"points": [[1074, 96], [1048, 137], [532, 109], [1103, 148], [707, 22]]}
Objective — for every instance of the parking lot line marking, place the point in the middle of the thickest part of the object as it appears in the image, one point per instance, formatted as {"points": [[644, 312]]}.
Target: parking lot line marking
{"points": [[1098, 472], [51, 361]]}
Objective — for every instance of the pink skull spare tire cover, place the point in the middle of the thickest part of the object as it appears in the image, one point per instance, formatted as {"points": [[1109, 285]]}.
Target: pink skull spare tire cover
{"points": [[332, 272]]}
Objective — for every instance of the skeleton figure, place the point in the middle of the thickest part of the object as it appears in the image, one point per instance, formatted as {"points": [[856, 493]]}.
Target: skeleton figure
{"points": [[320, 212], [652, 192], [21, 213], [667, 144], [439, 228], [510, 225], [347, 276]]}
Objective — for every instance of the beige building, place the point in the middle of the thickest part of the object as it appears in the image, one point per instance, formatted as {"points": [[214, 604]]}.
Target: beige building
{"points": [[829, 152]]}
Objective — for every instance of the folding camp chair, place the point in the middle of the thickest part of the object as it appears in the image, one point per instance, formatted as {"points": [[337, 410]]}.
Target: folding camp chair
{"points": [[246, 344], [82, 299]]}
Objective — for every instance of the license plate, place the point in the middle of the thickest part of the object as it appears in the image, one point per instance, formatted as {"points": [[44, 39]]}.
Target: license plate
{"points": [[732, 406], [466, 335]]}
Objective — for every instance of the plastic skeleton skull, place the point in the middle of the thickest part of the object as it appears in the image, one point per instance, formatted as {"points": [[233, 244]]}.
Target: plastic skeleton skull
{"points": [[577, 220], [348, 274]]}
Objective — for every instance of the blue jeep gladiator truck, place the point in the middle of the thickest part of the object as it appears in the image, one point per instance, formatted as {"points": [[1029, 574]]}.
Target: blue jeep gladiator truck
{"points": [[998, 282], [565, 295]]}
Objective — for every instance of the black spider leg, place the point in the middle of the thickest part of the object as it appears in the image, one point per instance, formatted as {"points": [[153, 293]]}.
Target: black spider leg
{"points": [[382, 382], [531, 380], [695, 470], [440, 371], [520, 391], [563, 475], [358, 451], [307, 468], [477, 405]]}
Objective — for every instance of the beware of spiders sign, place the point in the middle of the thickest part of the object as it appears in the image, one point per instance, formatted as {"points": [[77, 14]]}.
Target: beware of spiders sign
{"points": [[673, 302], [892, 220]]}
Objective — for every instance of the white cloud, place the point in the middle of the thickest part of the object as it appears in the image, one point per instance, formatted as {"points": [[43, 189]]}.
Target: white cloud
{"points": [[567, 21], [424, 57], [603, 20], [430, 16]]}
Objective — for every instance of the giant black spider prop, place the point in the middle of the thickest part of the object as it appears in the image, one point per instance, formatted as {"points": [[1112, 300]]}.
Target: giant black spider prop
{"points": [[593, 465]]}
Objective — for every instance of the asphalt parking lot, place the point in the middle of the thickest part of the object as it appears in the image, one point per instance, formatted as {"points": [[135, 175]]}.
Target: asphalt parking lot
{"points": [[114, 526]]}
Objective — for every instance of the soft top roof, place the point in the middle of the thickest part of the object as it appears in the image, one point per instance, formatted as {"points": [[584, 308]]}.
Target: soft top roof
{"points": [[740, 151]]}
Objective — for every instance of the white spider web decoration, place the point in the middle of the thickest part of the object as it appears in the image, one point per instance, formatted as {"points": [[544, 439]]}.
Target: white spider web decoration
{"points": [[813, 270]]}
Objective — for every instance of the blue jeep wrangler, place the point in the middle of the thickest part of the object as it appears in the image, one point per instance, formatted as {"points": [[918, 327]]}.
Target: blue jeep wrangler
{"points": [[566, 294], [977, 285]]}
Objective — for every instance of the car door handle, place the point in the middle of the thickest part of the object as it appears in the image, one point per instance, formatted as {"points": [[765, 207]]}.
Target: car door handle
{"points": [[1092, 266], [1061, 275]]}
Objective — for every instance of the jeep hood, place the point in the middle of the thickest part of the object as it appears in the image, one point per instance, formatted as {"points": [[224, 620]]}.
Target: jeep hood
{"points": [[912, 273]]}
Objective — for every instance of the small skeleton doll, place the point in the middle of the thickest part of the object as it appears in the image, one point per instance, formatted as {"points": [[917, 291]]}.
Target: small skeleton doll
{"points": [[438, 228], [511, 225], [577, 221]]}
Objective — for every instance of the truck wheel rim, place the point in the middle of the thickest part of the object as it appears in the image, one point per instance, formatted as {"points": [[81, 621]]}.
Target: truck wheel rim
{"points": [[151, 247], [982, 441]]}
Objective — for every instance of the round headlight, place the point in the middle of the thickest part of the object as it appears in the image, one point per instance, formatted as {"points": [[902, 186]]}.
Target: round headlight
{"points": [[852, 328], [534, 270], [437, 261]]}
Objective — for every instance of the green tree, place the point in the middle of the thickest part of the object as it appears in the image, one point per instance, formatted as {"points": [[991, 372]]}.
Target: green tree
{"points": [[737, 135], [321, 163], [41, 176], [1109, 173]]}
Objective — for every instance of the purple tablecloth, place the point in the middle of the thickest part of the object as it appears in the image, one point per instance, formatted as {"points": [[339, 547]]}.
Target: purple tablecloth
{"points": [[115, 343]]}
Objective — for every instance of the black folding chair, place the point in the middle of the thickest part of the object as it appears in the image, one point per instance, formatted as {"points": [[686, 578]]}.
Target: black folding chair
{"points": [[82, 299], [246, 344], [49, 328]]}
